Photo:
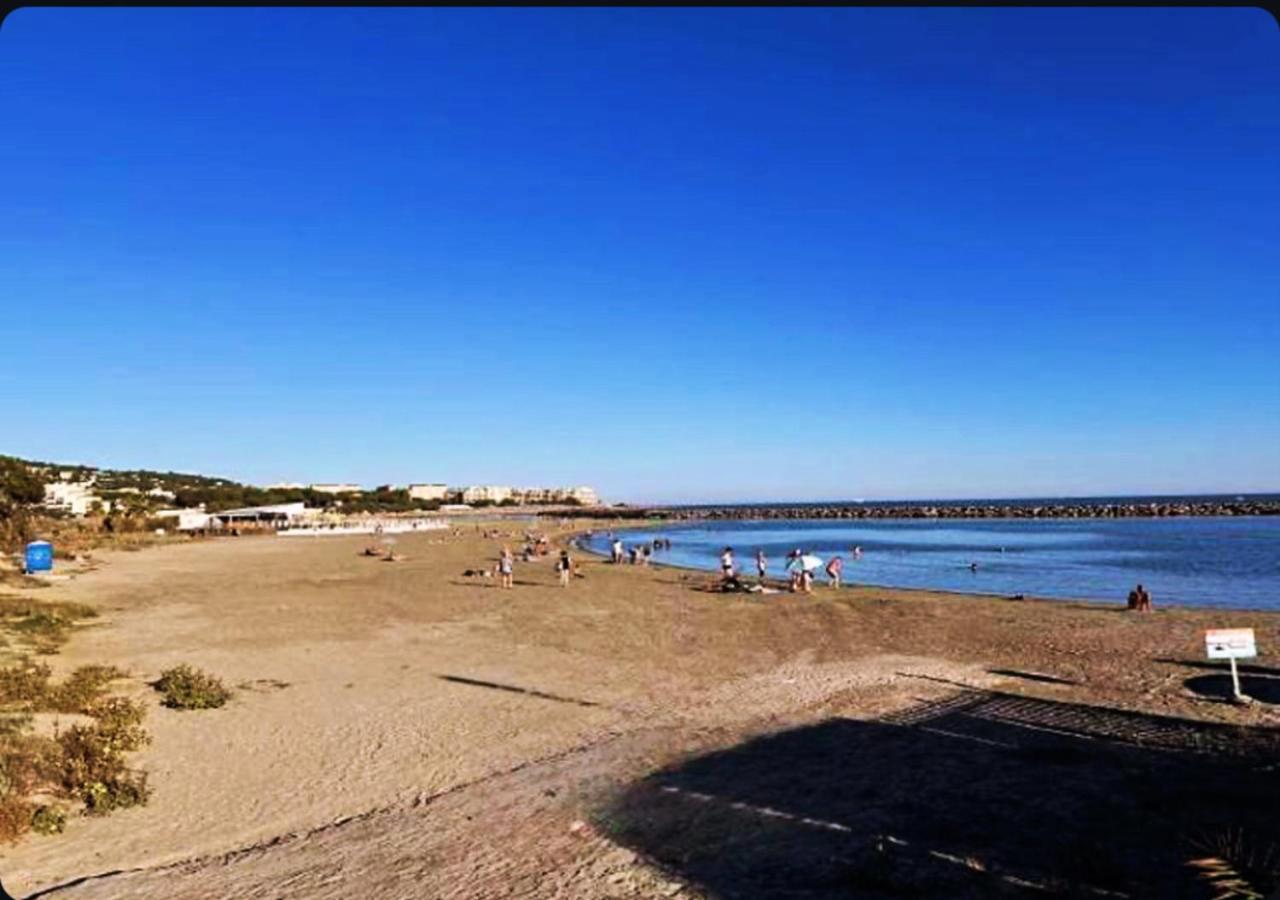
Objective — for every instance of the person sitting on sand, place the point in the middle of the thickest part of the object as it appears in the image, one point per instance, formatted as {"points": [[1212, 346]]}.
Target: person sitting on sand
{"points": [[1139, 599], [564, 567], [834, 567]]}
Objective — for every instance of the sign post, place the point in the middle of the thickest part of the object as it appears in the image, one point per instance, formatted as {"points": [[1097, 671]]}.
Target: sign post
{"points": [[1231, 644]]}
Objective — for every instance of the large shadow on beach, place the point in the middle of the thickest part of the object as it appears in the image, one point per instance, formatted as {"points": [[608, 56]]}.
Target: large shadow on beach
{"points": [[979, 795]]}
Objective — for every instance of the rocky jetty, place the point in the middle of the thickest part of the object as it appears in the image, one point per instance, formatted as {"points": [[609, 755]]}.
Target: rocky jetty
{"points": [[984, 511]]}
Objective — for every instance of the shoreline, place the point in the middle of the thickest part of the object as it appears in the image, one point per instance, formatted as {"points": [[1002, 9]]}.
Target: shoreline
{"points": [[1089, 602]]}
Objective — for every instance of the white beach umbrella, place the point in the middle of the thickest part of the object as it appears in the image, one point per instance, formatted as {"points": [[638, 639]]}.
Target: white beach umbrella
{"points": [[808, 562]]}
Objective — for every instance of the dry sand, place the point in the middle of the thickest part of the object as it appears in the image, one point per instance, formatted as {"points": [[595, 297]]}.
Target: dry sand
{"points": [[402, 731]]}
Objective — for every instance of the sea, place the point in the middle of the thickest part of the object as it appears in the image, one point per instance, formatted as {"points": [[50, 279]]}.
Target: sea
{"points": [[1227, 562]]}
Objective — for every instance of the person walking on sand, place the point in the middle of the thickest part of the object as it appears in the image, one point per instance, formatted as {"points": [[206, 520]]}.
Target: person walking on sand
{"points": [[564, 568], [617, 551], [762, 565], [505, 565], [834, 567]]}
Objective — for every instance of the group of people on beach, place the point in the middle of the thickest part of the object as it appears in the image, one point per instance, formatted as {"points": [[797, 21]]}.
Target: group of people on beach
{"points": [[565, 566], [800, 566], [637, 554]]}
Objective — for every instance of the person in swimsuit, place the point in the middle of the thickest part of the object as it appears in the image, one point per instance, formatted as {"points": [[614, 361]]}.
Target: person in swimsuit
{"points": [[834, 567]]}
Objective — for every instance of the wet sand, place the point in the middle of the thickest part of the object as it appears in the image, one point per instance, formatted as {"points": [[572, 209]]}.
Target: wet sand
{"points": [[402, 731]]}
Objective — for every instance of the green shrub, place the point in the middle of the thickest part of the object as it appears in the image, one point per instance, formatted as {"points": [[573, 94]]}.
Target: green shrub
{"points": [[185, 687], [120, 792], [49, 820]]}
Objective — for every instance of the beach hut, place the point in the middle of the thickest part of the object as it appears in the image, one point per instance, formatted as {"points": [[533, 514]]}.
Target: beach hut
{"points": [[39, 557]]}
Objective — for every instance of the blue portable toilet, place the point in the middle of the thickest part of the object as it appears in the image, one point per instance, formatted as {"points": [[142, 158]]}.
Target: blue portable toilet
{"points": [[39, 556]]}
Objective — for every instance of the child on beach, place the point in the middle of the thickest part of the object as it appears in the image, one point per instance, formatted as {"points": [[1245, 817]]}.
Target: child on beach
{"points": [[834, 567], [762, 564], [564, 567], [505, 566]]}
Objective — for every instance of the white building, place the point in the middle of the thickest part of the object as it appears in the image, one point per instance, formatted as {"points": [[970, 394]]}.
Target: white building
{"points": [[431, 491], [188, 519], [75, 497], [336, 488], [286, 486], [479, 493]]}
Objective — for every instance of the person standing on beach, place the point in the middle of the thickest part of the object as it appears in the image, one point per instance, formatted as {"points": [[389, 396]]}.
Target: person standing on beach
{"points": [[617, 551], [762, 565], [726, 563], [564, 568], [834, 567], [505, 566]]}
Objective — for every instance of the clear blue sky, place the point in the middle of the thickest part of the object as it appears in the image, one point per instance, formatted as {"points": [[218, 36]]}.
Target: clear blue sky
{"points": [[675, 254]]}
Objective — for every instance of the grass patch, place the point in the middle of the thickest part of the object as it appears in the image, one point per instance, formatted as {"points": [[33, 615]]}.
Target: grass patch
{"points": [[185, 687], [25, 687], [44, 625]]}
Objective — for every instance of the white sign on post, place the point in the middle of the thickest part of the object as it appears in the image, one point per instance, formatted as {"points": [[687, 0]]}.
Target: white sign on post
{"points": [[1232, 644]]}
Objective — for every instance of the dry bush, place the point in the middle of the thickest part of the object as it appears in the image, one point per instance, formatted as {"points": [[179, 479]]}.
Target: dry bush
{"points": [[15, 817]]}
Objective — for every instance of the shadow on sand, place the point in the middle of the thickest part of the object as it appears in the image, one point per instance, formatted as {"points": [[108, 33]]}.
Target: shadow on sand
{"points": [[981, 794]]}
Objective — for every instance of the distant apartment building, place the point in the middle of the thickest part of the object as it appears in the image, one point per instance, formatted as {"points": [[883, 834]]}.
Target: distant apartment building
{"points": [[491, 492], [336, 488], [534, 495], [431, 491], [583, 494]]}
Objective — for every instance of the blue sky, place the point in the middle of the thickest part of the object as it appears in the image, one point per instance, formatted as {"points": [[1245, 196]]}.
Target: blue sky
{"points": [[676, 254]]}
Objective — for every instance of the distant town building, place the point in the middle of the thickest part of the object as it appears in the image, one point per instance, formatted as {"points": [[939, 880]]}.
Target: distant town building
{"points": [[336, 488], [431, 491], [493, 493]]}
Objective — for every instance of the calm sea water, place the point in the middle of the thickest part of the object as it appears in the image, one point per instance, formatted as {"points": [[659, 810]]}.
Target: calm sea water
{"points": [[1226, 562]]}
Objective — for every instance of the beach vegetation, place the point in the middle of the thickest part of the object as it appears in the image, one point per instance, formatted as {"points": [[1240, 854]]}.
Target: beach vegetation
{"points": [[186, 687], [49, 819], [85, 763]]}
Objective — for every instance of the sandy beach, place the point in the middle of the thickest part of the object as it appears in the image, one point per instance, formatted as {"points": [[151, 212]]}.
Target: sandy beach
{"points": [[399, 730]]}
